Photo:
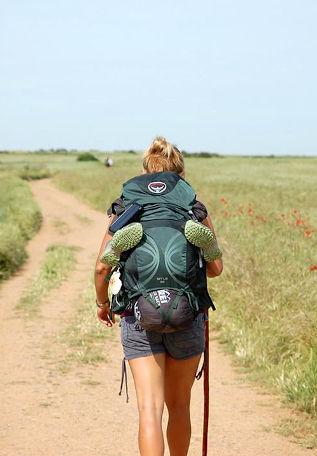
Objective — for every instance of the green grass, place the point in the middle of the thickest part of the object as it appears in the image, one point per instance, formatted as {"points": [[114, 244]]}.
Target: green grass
{"points": [[84, 339], [95, 184], [56, 267], [265, 213], [20, 219], [34, 172]]}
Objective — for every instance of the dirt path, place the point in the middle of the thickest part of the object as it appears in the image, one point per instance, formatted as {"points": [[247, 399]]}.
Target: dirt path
{"points": [[46, 412]]}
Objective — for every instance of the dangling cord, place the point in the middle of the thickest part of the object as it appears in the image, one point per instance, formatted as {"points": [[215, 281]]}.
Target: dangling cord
{"points": [[124, 376], [200, 373]]}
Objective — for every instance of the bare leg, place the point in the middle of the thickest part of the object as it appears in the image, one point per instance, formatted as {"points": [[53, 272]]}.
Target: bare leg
{"points": [[179, 379], [148, 375]]}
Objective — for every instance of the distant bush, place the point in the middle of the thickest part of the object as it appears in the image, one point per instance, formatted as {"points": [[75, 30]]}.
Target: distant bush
{"points": [[54, 151], [60, 151], [86, 156], [34, 172], [201, 154], [125, 151], [20, 218], [207, 154], [260, 156]]}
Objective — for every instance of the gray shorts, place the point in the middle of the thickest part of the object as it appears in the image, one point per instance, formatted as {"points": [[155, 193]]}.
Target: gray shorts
{"points": [[138, 342]]}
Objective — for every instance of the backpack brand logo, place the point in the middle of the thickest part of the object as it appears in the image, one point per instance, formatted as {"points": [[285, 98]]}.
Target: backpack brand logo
{"points": [[164, 296], [161, 296], [157, 187]]}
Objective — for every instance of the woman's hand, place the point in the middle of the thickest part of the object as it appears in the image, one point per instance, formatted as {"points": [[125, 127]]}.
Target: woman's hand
{"points": [[104, 316]]}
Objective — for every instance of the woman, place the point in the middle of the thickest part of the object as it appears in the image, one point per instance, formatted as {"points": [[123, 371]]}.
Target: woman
{"points": [[162, 371]]}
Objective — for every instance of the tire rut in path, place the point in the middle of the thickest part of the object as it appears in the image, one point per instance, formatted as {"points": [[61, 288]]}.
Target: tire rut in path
{"points": [[80, 413]]}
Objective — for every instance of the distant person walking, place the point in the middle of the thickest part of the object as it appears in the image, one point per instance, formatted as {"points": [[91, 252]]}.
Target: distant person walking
{"points": [[161, 290], [109, 162]]}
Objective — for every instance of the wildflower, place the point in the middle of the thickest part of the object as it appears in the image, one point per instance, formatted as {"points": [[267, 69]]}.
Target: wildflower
{"points": [[308, 233], [313, 267]]}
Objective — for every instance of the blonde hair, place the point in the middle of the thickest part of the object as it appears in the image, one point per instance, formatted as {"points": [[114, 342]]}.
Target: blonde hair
{"points": [[163, 156]]}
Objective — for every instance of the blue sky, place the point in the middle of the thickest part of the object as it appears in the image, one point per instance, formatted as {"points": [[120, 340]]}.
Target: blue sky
{"points": [[220, 75]]}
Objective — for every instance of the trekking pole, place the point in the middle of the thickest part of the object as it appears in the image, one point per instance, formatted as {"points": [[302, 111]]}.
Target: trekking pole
{"points": [[206, 389]]}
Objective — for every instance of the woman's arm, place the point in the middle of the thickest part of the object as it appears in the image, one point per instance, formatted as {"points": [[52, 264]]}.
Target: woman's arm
{"points": [[101, 286], [214, 268]]}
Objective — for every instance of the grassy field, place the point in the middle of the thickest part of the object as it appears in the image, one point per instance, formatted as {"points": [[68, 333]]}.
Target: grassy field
{"points": [[265, 213]]}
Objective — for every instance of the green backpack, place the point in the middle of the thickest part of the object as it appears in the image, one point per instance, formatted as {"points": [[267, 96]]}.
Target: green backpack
{"points": [[164, 277]]}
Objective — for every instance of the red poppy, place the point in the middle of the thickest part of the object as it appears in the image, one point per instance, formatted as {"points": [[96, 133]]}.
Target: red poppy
{"points": [[313, 267]]}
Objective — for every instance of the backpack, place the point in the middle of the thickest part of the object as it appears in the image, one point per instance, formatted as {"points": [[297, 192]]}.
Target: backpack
{"points": [[164, 277]]}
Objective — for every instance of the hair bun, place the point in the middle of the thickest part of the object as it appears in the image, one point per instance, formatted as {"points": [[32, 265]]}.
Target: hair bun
{"points": [[160, 146], [163, 156]]}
